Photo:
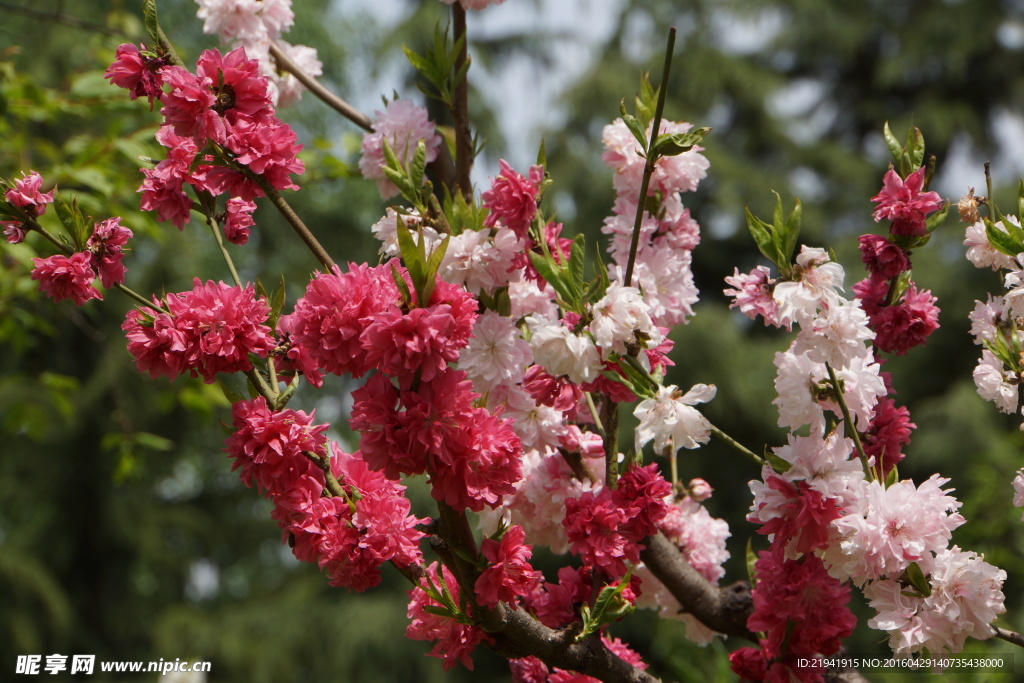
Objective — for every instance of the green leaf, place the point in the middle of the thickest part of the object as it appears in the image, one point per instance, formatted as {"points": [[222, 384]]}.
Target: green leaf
{"points": [[791, 232], [1001, 241], [152, 25], [751, 561], [577, 256], [778, 464], [895, 148], [75, 224], [153, 442], [542, 155], [634, 126], [609, 607], [915, 148], [276, 304], [762, 238], [936, 219], [419, 164], [674, 144], [916, 578]]}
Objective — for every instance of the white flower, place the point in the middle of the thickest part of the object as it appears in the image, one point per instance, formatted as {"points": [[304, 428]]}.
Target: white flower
{"points": [[994, 384], [480, 263], [984, 318], [496, 354], [619, 317], [980, 252], [561, 352], [527, 297], [386, 230], [1018, 490], [671, 418], [837, 335], [818, 280]]}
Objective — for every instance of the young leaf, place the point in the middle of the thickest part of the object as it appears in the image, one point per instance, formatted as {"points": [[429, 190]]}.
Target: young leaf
{"points": [[1001, 241], [763, 239], [673, 144], [152, 26], [895, 148], [634, 126], [791, 232]]}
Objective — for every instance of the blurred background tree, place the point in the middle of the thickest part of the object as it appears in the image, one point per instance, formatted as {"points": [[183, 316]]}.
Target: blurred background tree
{"points": [[122, 531]]}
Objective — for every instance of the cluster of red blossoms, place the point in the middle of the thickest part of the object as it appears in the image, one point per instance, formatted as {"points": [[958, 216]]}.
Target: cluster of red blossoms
{"points": [[220, 131], [350, 535]]}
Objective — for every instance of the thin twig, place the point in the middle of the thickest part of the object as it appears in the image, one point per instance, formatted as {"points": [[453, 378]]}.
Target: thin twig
{"points": [[1009, 636], [283, 61], [463, 134], [846, 414], [293, 220], [649, 165], [736, 445]]}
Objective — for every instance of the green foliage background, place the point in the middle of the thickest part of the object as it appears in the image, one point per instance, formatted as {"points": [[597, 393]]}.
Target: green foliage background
{"points": [[114, 494]]}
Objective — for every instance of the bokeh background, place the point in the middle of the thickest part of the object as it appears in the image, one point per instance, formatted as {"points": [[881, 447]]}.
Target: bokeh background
{"points": [[123, 532]]}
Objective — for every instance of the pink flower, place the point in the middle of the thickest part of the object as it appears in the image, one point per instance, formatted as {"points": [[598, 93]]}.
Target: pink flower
{"points": [[556, 604], [903, 203], [889, 433], [188, 105], [138, 71], [800, 518], [250, 21], [593, 523], [162, 190], [326, 325], [66, 277], [508, 573], [268, 446], [26, 195], [642, 492], [269, 148], [211, 329], [14, 231], [238, 220], [237, 83], [453, 640], [799, 606], [753, 296], [908, 324], [403, 124], [105, 249], [512, 199], [882, 257], [421, 341], [556, 392]]}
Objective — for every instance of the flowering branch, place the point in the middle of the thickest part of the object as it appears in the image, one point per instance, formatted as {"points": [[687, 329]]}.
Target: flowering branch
{"points": [[463, 134], [837, 388], [283, 61], [651, 156]]}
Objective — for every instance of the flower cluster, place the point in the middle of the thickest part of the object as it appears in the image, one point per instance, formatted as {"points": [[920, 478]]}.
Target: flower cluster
{"points": [[668, 234], [220, 131], [213, 328], [351, 533], [30, 203], [254, 25], [71, 277]]}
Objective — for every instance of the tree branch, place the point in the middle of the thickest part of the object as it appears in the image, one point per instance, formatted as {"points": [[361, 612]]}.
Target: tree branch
{"points": [[522, 635], [341, 106], [1009, 636], [723, 609]]}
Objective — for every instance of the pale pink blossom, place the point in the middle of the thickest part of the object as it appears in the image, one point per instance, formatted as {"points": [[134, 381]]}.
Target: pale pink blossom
{"points": [[402, 124], [539, 427], [561, 352], [966, 597], [386, 230], [528, 297], [666, 280], [995, 383], [980, 251], [752, 294], [837, 335], [496, 354], [985, 317], [245, 20], [799, 384], [1013, 300], [1018, 490], [671, 418], [817, 279], [826, 464], [672, 174], [481, 261], [621, 318], [888, 528]]}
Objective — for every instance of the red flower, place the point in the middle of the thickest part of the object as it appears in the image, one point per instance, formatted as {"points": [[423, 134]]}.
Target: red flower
{"points": [[908, 324], [509, 573], [512, 199], [105, 244], [137, 71], [904, 204], [883, 258], [66, 277], [453, 641]]}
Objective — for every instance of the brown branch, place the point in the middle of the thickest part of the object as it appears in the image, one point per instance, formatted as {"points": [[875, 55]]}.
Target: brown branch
{"points": [[341, 106], [1009, 636], [463, 134], [723, 609], [520, 635], [293, 219]]}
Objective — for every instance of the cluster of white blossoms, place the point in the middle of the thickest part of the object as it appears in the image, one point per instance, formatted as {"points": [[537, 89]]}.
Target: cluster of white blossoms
{"points": [[254, 25]]}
